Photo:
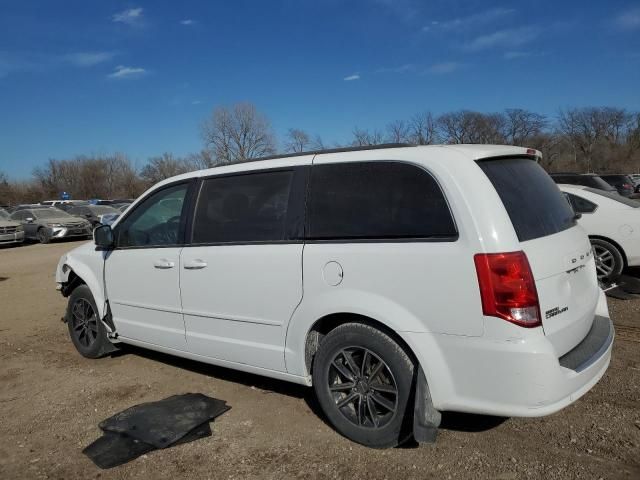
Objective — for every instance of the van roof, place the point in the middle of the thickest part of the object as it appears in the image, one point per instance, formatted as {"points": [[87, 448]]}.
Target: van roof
{"points": [[465, 152]]}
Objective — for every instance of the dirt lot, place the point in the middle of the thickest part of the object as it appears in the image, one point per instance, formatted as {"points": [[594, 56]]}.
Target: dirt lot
{"points": [[51, 400]]}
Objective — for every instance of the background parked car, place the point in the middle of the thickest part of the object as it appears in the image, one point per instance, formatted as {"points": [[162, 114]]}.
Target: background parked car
{"points": [[584, 179], [613, 224], [109, 218], [45, 224], [93, 213], [121, 206], [70, 204], [622, 183], [11, 231], [26, 206]]}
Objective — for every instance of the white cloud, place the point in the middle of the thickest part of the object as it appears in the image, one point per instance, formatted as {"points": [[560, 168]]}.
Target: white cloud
{"points": [[122, 72], [130, 16], [88, 59], [470, 21], [503, 38], [350, 78], [444, 67], [628, 20], [187, 21], [407, 67]]}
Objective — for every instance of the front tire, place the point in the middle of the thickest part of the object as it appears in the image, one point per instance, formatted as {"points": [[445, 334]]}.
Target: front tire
{"points": [[43, 235], [364, 383], [608, 258], [86, 330]]}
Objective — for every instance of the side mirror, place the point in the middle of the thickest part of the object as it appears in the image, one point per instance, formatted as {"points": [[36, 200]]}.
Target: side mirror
{"points": [[103, 236], [29, 220]]}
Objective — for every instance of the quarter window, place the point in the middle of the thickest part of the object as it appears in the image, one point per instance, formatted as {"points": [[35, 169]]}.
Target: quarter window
{"points": [[156, 221], [581, 205], [243, 208], [376, 200]]}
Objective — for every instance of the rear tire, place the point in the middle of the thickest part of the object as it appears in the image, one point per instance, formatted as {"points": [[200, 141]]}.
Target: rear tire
{"points": [[608, 258], [43, 235], [364, 383], [86, 330]]}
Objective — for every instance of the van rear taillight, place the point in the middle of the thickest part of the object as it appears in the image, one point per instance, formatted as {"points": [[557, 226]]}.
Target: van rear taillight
{"points": [[507, 288]]}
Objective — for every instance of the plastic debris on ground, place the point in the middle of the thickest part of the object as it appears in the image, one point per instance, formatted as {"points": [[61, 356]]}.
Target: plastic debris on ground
{"points": [[154, 425]]}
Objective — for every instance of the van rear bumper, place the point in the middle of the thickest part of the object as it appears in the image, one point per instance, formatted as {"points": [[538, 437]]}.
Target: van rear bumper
{"points": [[519, 377]]}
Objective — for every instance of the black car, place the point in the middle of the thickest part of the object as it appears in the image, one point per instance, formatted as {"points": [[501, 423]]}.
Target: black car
{"points": [[587, 179], [622, 183], [93, 213]]}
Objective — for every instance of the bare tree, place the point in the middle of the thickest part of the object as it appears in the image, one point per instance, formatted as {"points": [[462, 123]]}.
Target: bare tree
{"points": [[364, 138], [297, 140], [422, 129], [164, 166], [466, 126], [398, 132], [200, 161], [521, 126], [238, 133]]}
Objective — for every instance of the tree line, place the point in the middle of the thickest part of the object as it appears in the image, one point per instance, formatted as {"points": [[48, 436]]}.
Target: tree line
{"points": [[593, 139]]}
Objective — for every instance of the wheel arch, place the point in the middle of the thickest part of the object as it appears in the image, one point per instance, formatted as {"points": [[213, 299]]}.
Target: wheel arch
{"points": [[421, 346], [615, 244], [78, 274], [322, 326]]}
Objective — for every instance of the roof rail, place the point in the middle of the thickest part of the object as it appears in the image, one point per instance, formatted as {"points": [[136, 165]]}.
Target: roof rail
{"points": [[328, 150]]}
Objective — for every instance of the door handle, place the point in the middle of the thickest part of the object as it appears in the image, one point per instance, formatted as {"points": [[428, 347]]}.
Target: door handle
{"points": [[196, 264], [163, 264]]}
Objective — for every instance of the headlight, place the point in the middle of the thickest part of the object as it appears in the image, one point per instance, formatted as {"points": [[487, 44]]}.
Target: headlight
{"points": [[19, 228], [54, 225]]}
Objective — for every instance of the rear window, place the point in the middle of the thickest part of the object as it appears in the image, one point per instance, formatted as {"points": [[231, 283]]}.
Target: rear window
{"points": [[534, 203], [377, 201], [615, 196]]}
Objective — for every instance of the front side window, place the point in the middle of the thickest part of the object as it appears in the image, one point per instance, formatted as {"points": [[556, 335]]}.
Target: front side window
{"points": [[156, 221], [376, 200], [243, 208]]}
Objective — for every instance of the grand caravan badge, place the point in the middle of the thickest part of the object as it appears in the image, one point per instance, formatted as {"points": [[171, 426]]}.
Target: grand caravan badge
{"points": [[554, 312]]}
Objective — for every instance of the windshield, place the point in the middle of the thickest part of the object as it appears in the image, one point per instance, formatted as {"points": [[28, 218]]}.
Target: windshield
{"points": [[50, 213], [4, 215], [614, 196], [534, 203]]}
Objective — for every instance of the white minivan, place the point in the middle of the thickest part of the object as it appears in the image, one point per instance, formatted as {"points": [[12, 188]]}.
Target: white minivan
{"points": [[399, 282]]}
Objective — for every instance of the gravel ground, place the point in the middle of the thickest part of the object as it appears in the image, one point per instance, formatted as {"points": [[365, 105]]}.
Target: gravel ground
{"points": [[52, 399]]}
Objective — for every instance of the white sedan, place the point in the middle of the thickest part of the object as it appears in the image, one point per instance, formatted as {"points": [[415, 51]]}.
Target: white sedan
{"points": [[613, 224]]}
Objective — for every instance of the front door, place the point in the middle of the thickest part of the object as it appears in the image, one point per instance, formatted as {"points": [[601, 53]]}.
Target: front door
{"points": [[241, 277], [142, 273]]}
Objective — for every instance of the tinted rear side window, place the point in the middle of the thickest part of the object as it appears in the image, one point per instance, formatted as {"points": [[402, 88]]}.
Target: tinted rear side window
{"points": [[533, 201], [243, 208], [376, 200]]}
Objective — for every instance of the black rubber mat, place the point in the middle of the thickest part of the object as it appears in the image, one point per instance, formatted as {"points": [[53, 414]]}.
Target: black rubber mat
{"points": [[154, 425], [620, 294], [629, 284]]}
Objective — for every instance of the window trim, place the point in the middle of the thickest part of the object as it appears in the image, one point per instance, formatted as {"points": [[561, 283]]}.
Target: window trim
{"points": [[294, 233], [400, 239], [184, 214]]}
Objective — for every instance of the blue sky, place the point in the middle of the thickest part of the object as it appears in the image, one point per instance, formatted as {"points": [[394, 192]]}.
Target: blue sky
{"points": [[139, 77]]}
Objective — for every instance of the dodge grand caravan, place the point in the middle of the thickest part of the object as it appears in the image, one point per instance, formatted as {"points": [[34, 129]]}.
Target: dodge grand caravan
{"points": [[398, 282]]}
